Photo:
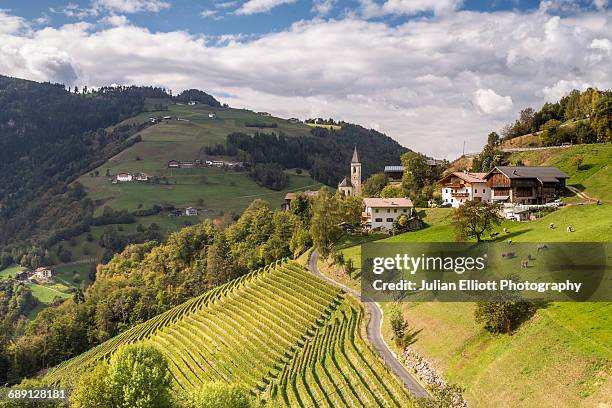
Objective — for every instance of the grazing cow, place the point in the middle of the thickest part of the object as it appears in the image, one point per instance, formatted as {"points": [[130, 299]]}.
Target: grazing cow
{"points": [[524, 264], [570, 228], [506, 230], [552, 226], [508, 255], [541, 247], [509, 242], [530, 257]]}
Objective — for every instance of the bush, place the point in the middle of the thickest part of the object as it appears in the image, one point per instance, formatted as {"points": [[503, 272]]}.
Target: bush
{"points": [[221, 395]]}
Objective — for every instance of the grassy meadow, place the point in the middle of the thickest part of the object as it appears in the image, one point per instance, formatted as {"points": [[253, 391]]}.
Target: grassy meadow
{"points": [[561, 357]]}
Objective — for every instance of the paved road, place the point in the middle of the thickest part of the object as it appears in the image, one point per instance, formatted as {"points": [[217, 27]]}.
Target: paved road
{"points": [[374, 334]]}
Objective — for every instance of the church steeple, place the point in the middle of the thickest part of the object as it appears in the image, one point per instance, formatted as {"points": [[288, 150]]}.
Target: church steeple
{"points": [[355, 158]]}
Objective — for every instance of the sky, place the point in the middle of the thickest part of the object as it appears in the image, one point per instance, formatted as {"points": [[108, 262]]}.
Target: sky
{"points": [[431, 74]]}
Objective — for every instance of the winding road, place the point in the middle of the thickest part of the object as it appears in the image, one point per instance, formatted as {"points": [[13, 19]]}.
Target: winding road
{"points": [[374, 333]]}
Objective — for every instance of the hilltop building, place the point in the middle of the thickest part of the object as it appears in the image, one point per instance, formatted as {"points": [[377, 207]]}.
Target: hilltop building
{"points": [[43, 272], [352, 186], [461, 186], [380, 213]]}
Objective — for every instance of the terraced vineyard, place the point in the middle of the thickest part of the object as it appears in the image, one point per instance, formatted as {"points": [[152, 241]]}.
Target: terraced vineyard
{"points": [[279, 330]]}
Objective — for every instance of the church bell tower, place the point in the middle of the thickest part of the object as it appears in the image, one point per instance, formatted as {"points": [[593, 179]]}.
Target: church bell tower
{"points": [[356, 173]]}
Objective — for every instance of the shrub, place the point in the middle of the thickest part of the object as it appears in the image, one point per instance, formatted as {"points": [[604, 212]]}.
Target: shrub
{"points": [[221, 395]]}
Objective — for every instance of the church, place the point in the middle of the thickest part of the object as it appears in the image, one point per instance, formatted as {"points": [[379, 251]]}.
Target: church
{"points": [[352, 186]]}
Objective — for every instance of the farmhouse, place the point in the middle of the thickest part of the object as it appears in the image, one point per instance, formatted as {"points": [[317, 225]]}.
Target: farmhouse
{"points": [[379, 213], [212, 115], [141, 177], [459, 187], [525, 185], [352, 186], [291, 196], [43, 272], [173, 164], [192, 103], [124, 177], [394, 174], [191, 211], [22, 276]]}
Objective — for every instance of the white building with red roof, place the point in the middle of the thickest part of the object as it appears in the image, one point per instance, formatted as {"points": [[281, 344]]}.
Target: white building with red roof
{"points": [[462, 186]]}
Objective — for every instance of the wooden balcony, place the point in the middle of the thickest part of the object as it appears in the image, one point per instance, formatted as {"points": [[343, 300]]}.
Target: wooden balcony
{"points": [[460, 195]]}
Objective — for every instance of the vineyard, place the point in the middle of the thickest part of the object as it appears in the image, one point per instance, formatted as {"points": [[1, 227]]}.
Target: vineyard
{"points": [[279, 330]]}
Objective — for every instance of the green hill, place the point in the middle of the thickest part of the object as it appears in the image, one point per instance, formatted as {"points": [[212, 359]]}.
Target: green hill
{"points": [[561, 357], [279, 330], [593, 174]]}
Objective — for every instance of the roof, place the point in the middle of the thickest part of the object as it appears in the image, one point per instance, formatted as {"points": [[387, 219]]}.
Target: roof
{"points": [[543, 173], [307, 193], [467, 176], [345, 183], [387, 202], [394, 168], [355, 158]]}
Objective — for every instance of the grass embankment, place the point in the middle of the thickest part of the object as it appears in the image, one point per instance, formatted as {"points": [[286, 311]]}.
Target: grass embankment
{"points": [[561, 357]]}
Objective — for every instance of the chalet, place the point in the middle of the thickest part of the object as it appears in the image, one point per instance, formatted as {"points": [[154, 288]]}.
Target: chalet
{"points": [[188, 164], [394, 174], [461, 186], [167, 118], [191, 211], [290, 196], [379, 213], [22, 276], [174, 164], [212, 115], [192, 103], [124, 177], [525, 185], [43, 272]]}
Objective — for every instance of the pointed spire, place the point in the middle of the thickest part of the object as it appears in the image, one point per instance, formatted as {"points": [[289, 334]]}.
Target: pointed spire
{"points": [[355, 158]]}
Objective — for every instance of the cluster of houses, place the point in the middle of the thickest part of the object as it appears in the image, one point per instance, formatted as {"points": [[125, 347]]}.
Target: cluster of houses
{"points": [[130, 177], [158, 119], [187, 212], [42, 273], [521, 191], [176, 164]]}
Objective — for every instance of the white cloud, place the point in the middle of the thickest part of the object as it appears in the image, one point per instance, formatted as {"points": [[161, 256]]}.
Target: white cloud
{"points": [[115, 21], [131, 6], [430, 83], [261, 6], [10, 24], [371, 8], [209, 13], [489, 102], [323, 7], [600, 4]]}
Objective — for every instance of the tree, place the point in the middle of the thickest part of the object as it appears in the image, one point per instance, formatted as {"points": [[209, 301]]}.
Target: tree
{"points": [[324, 228], [374, 185], [493, 139], [392, 191], [137, 376], [503, 315], [221, 395], [474, 218], [399, 326]]}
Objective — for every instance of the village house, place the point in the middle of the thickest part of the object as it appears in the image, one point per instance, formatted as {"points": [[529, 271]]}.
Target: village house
{"points": [[291, 196], [174, 164], [141, 177], [124, 177], [394, 174], [462, 186], [212, 115], [22, 276], [525, 185], [43, 272], [352, 186], [191, 211], [380, 213], [192, 103]]}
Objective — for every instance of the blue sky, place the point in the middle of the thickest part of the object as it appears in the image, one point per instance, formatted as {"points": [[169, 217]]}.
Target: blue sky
{"points": [[429, 73]]}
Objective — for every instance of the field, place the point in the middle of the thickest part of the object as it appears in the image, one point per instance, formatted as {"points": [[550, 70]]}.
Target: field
{"points": [[334, 127], [593, 175], [287, 335], [561, 357], [11, 271]]}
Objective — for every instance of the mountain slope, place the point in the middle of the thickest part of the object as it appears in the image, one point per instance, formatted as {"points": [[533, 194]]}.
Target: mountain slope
{"points": [[279, 330]]}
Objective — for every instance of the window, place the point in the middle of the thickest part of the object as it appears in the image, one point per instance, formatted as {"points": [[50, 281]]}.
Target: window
{"points": [[376, 210], [389, 219], [475, 190], [447, 190], [404, 210], [395, 210], [388, 210], [378, 220]]}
